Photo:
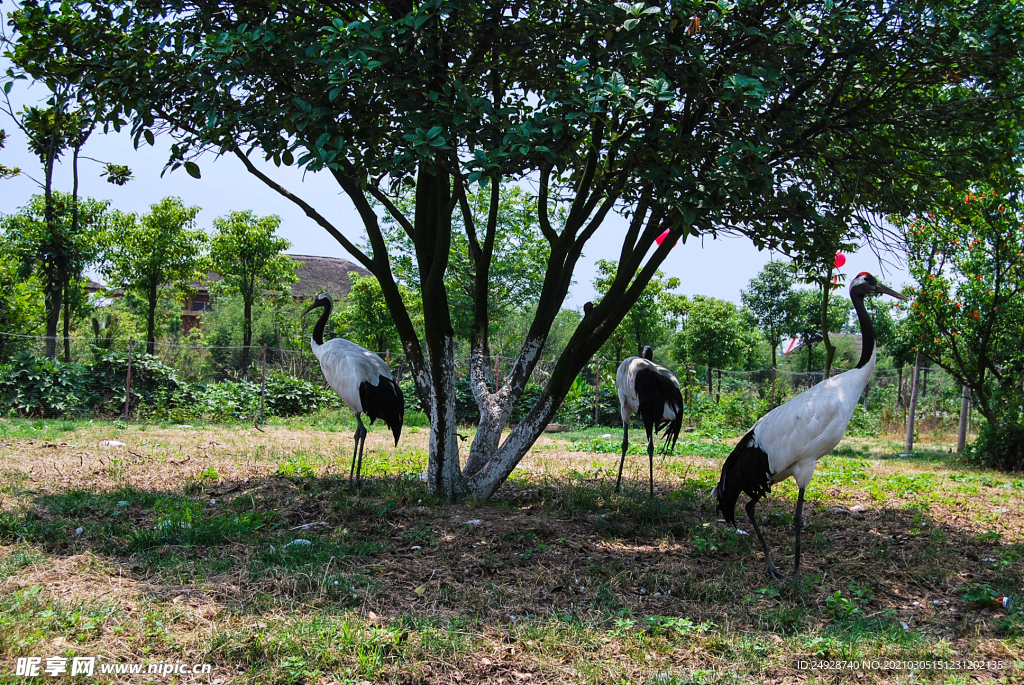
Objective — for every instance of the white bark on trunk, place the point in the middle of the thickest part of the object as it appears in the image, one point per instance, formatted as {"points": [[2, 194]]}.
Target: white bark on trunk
{"points": [[444, 470]]}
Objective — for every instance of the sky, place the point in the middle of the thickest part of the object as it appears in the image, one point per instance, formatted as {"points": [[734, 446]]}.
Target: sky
{"points": [[719, 268]]}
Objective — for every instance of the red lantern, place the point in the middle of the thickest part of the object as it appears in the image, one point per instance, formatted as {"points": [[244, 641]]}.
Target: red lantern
{"points": [[840, 260], [661, 238]]}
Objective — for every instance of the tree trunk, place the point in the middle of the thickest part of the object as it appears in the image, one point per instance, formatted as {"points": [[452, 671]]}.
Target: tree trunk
{"points": [[913, 403], [830, 349], [246, 333], [74, 232], [433, 224], [595, 328], [54, 302], [54, 287], [151, 320], [67, 318]]}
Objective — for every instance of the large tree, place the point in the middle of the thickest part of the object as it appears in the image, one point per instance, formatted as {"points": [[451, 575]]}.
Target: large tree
{"points": [[248, 255], [967, 316], [773, 302], [713, 335], [55, 239], [693, 118], [160, 251], [655, 315]]}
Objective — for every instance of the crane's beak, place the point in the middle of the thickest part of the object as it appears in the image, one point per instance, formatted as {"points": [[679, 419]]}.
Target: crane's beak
{"points": [[316, 303], [889, 291]]}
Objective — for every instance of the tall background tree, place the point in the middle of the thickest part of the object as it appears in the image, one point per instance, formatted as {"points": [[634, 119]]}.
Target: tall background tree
{"points": [[967, 314], [366, 319], [807, 324], [654, 316], [158, 252], [603, 106], [55, 240], [773, 302], [713, 335], [248, 256]]}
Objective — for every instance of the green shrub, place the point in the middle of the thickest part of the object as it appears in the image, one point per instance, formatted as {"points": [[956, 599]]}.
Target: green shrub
{"points": [[34, 387], [152, 382], [1000, 444], [289, 396]]}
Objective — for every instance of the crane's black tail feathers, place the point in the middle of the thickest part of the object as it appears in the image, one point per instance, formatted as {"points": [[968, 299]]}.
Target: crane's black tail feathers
{"points": [[654, 392], [746, 470], [384, 401]]}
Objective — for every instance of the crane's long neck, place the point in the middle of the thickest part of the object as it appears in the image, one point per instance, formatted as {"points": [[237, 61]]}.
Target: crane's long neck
{"points": [[321, 323], [867, 331]]}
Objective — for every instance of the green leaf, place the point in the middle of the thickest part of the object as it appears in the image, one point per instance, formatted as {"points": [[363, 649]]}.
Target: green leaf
{"points": [[193, 169], [149, 136], [287, 157]]}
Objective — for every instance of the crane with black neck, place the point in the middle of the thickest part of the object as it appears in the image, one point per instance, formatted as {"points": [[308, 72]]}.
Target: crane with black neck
{"points": [[362, 380], [789, 440]]}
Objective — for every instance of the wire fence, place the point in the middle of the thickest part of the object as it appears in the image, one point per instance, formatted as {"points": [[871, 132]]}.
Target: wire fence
{"points": [[116, 377]]}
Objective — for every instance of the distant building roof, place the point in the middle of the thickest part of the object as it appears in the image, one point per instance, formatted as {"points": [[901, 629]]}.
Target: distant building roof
{"points": [[324, 273]]}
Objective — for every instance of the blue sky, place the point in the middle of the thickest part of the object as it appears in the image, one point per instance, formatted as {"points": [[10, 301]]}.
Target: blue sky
{"points": [[719, 268]]}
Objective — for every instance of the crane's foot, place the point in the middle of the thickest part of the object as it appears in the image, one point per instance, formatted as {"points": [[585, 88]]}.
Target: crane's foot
{"points": [[774, 572]]}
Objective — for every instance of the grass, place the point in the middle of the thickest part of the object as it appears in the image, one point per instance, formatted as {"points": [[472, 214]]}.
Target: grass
{"points": [[249, 550]]}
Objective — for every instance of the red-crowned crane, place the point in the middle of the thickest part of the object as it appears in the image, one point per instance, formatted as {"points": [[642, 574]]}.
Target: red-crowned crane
{"points": [[653, 391], [789, 440], [361, 379]]}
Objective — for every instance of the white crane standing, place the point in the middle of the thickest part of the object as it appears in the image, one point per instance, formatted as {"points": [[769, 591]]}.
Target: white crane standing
{"points": [[653, 391], [789, 440], [361, 379]]}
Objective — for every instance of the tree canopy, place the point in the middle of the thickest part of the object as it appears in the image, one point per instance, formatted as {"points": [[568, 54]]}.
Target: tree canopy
{"points": [[655, 315], [967, 314], [752, 122], [160, 250], [773, 302], [714, 334], [248, 256]]}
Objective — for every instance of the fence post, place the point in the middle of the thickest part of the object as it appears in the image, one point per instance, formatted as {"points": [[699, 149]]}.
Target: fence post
{"points": [[597, 391], [965, 403], [913, 402], [718, 392], [775, 375], [263, 384], [128, 379], [497, 372]]}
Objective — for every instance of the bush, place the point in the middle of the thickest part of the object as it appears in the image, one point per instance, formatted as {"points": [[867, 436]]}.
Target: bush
{"points": [[1000, 444], [152, 382], [289, 396], [34, 387]]}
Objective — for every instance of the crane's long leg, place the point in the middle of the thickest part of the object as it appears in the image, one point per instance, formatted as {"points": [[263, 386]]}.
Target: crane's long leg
{"points": [[625, 444], [771, 570], [355, 450], [361, 440], [650, 453], [798, 525]]}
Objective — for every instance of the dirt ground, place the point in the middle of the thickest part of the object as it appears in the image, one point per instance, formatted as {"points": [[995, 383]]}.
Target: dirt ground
{"points": [[248, 550]]}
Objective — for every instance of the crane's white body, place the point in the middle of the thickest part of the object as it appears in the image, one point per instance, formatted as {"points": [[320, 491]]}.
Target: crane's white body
{"points": [[346, 366], [625, 382], [801, 431]]}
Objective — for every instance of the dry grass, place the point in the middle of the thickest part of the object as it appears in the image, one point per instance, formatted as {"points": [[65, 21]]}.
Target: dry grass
{"points": [[172, 547]]}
